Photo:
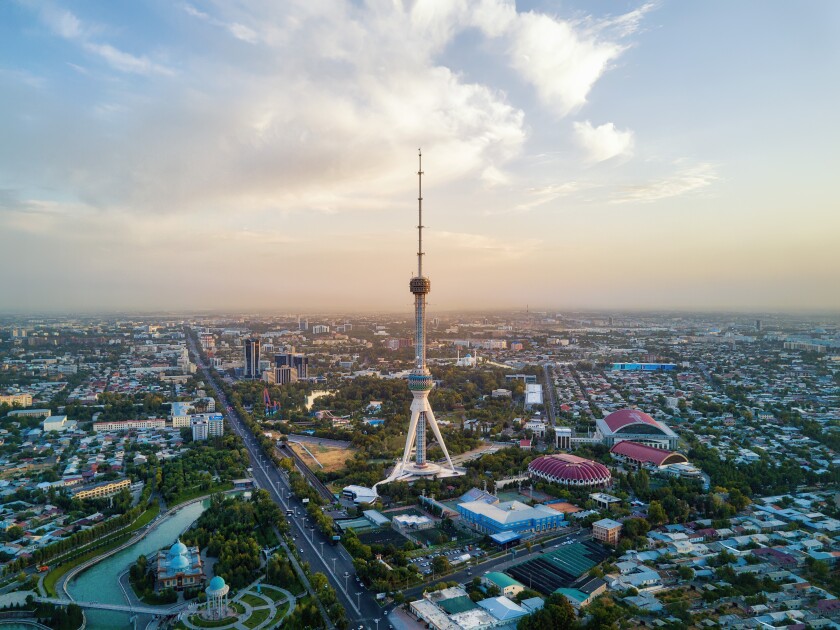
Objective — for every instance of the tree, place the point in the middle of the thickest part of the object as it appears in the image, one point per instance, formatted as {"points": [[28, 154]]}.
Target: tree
{"points": [[656, 514], [685, 573], [441, 564], [557, 614]]}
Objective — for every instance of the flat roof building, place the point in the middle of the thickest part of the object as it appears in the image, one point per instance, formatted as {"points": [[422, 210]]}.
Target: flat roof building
{"points": [[511, 516], [607, 531]]}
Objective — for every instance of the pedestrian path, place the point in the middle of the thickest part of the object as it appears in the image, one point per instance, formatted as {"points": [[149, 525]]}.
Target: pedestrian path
{"points": [[263, 606]]}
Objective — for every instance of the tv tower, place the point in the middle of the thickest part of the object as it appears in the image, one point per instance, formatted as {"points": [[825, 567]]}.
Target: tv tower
{"points": [[420, 380]]}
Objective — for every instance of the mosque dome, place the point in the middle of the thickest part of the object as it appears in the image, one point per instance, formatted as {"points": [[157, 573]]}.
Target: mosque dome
{"points": [[178, 549], [179, 563]]}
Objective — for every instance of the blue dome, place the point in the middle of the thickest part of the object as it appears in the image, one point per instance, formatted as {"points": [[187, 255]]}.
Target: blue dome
{"points": [[216, 584], [179, 563], [178, 549]]}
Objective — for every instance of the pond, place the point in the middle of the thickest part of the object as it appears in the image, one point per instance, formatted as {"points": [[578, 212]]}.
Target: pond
{"points": [[100, 583]]}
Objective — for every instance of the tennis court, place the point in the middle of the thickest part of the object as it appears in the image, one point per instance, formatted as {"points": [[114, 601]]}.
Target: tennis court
{"points": [[386, 536]]}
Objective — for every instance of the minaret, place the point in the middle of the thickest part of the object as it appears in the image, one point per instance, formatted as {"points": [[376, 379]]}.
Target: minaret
{"points": [[420, 380]]}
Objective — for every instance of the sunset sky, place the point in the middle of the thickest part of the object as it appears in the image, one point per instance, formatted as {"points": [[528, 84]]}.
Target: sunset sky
{"points": [[263, 155]]}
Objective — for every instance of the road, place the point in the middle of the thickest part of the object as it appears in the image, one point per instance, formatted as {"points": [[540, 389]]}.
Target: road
{"points": [[551, 394], [314, 548]]}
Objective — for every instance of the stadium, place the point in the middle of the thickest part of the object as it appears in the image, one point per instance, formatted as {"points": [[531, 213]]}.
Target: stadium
{"points": [[570, 470], [635, 426]]}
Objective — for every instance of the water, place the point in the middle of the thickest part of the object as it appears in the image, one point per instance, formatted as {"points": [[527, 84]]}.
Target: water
{"points": [[100, 583], [317, 394]]}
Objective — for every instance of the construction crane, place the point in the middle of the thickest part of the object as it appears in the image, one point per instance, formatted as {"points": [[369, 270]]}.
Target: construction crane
{"points": [[271, 407]]}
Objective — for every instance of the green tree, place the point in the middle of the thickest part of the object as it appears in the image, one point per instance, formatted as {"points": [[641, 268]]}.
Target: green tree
{"points": [[656, 514]]}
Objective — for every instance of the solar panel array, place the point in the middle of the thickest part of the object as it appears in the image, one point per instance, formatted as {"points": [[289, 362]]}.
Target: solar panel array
{"points": [[560, 568]]}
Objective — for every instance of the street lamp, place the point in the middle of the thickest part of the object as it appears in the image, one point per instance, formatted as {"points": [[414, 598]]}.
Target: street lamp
{"points": [[322, 548], [376, 621], [346, 577], [334, 559], [358, 600]]}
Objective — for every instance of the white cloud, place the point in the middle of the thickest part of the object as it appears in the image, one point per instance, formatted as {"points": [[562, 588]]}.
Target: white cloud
{"points": [[65, 24], [603, 142], [684, 181], [240, 31], [62, 22], [539, 196], [487, 247], [559, 61], [126, 62]]}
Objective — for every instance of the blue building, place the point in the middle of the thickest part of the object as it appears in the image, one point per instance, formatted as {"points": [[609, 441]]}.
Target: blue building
{"points": [[511, 516], [644, 367]]}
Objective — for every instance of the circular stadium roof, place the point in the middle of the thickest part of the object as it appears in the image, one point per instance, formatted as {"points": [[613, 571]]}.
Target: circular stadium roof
{"points": [[216, 584], [178, 549], [570, 470], [617, 420]]}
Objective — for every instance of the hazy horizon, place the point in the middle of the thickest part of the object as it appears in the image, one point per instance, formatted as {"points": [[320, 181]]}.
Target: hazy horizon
{"points": [[234, 157]]}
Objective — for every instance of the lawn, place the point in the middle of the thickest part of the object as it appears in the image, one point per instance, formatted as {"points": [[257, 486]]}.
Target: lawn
{"points": [[256, 618], [330, 457], [253, 600], [275, 595], [196, 491], [211, 623], [281, 610]]}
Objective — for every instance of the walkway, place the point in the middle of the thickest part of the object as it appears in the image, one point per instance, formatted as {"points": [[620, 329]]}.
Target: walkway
{"points": [[148, 610], [266, 605]]}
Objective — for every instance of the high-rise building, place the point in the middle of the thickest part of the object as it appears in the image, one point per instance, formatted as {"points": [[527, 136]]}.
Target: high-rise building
{"points": [[413, 464], [252, 358], [285, 374], [298, 362], [758, 325]]}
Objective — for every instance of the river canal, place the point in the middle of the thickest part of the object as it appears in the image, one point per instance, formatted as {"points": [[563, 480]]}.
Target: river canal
{"points": [[100, 583]]}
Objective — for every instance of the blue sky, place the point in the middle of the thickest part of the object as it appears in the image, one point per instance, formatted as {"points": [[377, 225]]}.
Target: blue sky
{"points": [[261, 155]]}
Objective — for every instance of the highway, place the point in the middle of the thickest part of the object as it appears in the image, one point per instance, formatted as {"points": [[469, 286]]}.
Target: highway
{"points": [[550, 394], [314, 548]]}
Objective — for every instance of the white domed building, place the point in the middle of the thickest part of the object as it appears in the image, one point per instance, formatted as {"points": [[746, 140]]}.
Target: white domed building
{"points": [[217, 599], [180, 567]]}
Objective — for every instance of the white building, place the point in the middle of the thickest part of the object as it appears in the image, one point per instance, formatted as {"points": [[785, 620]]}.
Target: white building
{"points": [[207, 425], [533, 394], [179, 414], [59, 424]]}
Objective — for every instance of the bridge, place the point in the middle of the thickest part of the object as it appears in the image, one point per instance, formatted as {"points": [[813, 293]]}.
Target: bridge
{"points": [[139, 609]]}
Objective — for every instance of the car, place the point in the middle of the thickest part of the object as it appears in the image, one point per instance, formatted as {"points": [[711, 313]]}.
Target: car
{"points": [[301, 551]]}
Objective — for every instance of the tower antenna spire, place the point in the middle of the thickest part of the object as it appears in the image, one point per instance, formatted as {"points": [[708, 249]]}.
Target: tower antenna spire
{"points": [[420, 213]]}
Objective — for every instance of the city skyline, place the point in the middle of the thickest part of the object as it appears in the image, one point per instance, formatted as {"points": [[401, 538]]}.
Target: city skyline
{"points": [[641, 156]]}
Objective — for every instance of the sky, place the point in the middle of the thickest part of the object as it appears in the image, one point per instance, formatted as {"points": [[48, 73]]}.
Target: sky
{"points": [[262, 155]]}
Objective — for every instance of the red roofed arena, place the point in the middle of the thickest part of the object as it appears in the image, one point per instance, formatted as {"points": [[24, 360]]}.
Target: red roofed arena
{"points": [[570, 470], [636, 426], [641, 454]]}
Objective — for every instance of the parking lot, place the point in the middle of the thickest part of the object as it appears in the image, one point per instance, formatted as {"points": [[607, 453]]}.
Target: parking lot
{"points": [[460, 556]]}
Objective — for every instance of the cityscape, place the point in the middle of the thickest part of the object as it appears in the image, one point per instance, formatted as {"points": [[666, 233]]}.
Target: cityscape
{"points": [[219, 407]]}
